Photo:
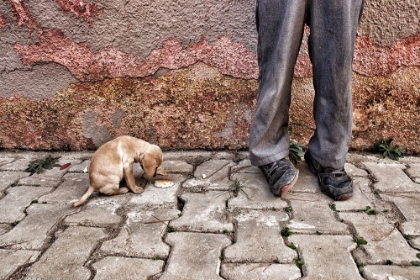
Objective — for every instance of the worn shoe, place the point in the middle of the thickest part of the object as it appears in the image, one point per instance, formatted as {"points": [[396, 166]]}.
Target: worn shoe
{"points": [[281, 176], [333, 182]]}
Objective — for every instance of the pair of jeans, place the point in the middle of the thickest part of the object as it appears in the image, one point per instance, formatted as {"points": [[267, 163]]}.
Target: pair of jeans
{"points": [[333, 29]]}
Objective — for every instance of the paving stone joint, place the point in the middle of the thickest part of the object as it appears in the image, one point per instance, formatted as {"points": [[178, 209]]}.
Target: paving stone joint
{"points": [[215, 219]]}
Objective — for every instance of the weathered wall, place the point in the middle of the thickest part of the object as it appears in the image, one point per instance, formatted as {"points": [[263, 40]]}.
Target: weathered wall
{"points": [[183, 74]]}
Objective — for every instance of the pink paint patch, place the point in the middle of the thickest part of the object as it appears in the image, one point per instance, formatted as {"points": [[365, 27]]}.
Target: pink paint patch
{"points": [[2, 21], [79, 8], [230, 58], [373, 60], [23, 17]]}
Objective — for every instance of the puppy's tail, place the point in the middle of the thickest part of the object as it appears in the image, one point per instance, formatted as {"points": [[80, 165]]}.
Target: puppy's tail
{"points": [[89, 191]]}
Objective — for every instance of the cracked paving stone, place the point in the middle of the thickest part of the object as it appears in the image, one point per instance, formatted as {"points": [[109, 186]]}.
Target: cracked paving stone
{"points": [[362, 197], [245, 166], [9, 177], [6, 160], [40, 220], [4, 228], [142, 234], [204, 212], [312, 214], [259, 239], [99, 211], [160, 197], [177, 166], [406, 203], [73, 187], [39, 182], [194, 255], [17, 165], [212, 175], [326, 256], [390, 272], [187, 156], [80, 168], [126, 268], [254, 193], [414, 171], [12, 206], [12, 260], [306, 182], [353, 171], [415, 242], [382, 238], [215, 169], [391, 178], [66, 257], [266, 271]]}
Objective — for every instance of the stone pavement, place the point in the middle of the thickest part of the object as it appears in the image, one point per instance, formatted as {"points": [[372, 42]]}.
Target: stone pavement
{"points": [[214, 219]]}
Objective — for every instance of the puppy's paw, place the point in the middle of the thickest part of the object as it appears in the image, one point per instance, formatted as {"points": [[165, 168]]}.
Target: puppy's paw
{"points": [[122, 190], [137, 190]]}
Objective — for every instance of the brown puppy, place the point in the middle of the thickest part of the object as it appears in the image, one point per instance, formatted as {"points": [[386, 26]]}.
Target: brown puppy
{"points": [[114, 161]]}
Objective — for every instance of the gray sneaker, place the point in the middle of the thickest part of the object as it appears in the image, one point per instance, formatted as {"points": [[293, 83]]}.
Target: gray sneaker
{"points": [[281, 175], [333, 182]]}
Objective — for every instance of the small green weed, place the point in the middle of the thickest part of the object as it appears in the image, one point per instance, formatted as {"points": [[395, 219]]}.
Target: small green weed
{"points": [[376, 191], [292, 246], [384, 147], [286, 232], [418, 255], [299, 262], [296, 151], [225, 231], [389, 262], [156, 258], [360, 241], [370, 211], [415, 263], [332, 206], [288, 209], [221, 258], [237, 187], [170, 229], [408, 237], [39, 165], [35, 201], [15, 223]]}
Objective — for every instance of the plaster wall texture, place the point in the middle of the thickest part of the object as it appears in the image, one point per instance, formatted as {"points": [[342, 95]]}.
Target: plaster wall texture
{"points": [[183, 74]]}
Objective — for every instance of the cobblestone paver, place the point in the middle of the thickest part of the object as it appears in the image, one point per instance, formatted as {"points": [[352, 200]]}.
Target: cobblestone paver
{"points": [[211, 217]]}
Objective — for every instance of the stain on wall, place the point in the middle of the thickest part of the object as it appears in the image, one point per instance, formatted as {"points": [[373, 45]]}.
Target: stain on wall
{"points": [[183, 74]]}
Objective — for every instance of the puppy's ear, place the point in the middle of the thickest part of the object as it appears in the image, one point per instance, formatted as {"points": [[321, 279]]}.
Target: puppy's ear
{"points": [[149, 164]]}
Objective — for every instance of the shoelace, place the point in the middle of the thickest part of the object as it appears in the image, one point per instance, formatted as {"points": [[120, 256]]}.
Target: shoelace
{"points": [[336, 172], [271, 168]]}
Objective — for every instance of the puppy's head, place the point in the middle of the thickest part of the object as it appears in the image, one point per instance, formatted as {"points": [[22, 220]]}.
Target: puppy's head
{"points": [[151, 160]]}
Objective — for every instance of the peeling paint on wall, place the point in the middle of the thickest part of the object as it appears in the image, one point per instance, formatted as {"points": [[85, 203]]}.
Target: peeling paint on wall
{"points": [[78, 8], [176, 110], [230, 58], [183, 74]]}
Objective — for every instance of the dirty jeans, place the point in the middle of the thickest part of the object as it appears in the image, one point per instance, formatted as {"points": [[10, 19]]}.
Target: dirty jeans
{"points": [[333, 27]]}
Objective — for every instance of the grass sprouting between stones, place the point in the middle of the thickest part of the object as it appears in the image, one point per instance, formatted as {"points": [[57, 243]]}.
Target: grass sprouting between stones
{"points": [[360, 241], [40, 165]]}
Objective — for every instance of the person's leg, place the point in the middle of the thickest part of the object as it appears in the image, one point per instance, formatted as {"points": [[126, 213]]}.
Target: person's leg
{"points": [[280, 28], [333, 28]]}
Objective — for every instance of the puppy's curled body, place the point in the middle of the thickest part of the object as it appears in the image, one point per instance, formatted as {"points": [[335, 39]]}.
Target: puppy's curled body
{"points": [[114, 161]]}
